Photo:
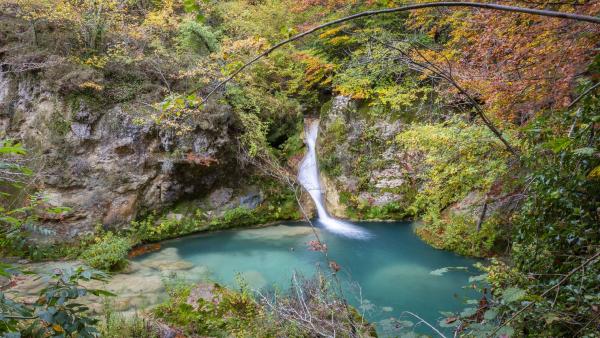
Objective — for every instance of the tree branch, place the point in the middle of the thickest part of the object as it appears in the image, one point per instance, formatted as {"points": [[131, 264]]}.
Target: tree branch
{"points": [[541, 12], [587, 91], [565, 278]]}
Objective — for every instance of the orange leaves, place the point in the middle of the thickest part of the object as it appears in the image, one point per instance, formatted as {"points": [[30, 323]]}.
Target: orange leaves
{"points": [[317, 71], [201, 160], [517, 63]]}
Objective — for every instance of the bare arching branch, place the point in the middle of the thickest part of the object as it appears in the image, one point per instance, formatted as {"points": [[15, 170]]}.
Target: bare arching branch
{"points": [[554, 14]]}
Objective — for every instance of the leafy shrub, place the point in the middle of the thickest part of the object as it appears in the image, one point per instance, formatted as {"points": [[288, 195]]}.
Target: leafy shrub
{"points": [[196, 37], [108, 253], [153, 228], [239, 216], [458, 233], [119, 325], [235, 313], [56, 312], [459, 158]]}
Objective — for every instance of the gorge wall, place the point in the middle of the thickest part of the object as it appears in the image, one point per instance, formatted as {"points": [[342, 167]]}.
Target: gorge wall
{"points": [[365, 172], [111, 163]]}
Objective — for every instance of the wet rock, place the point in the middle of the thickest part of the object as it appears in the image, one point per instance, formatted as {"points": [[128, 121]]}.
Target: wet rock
{"points": [[109, 162], [169, 265], [220, 197], [254, 279], [81, 130], [251, 199]]}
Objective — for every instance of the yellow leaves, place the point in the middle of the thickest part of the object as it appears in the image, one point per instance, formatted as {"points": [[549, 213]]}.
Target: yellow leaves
{"points": [[95, 61], [49, 10], [340, 40], [395, 96], [162, 19], [90, 85], [357, 89], [594, 174], [316, 70], [333, 31], [251, 45]]}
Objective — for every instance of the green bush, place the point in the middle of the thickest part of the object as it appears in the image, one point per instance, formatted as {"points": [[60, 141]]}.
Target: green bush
{"points": [[119, 325], [109, 253], [459, 158], [196, 37], [57, 311], [235, 314], [239, 216], [153, 228]]}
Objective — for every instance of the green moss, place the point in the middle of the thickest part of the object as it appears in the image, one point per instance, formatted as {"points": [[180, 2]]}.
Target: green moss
{"points": [[58, 126]]}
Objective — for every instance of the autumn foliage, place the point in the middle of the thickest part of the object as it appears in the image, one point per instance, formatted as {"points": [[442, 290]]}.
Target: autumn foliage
{"points": [[517, 64]]}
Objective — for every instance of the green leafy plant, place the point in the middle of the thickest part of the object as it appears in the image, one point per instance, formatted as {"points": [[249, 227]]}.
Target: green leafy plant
{"points": [[459, 158], [56, 311], [109, 253]]}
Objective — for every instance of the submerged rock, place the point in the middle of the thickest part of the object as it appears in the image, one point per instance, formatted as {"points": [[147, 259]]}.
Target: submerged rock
{"points": [[168, 265], [254, 279]]}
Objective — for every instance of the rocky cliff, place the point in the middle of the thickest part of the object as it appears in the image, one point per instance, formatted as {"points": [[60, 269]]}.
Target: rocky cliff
{"points": [[365, 174], [109, 163]]}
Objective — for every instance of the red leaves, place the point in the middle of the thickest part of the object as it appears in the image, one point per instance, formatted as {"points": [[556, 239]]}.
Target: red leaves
{"points": [[201, 160], [519, 64], [317, 246]]}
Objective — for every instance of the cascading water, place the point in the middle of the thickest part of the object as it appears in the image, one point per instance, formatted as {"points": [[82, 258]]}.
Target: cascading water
{"points": [[308, 176]]}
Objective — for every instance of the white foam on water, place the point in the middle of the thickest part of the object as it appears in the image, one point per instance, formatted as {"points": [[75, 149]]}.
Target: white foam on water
{"points": [[308, 175]]}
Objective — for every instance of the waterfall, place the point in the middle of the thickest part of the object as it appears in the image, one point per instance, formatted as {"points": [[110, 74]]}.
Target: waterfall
{"points": [[308, 176]]}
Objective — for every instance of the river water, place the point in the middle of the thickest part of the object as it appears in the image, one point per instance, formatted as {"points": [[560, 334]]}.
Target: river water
{"points": [[395, 270]]}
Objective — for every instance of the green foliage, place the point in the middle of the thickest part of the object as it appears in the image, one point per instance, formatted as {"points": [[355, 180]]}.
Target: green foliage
{"points": [[254, 137], [119, 325], [294, 145], [554, 230], [109, 253], [392, 210], [458, 233], [333, 135], [153, 228], [13, 172], [232, 313], [58, 125], [56, 311], [552, 237], [19, 219], [239, 216], [459, 158], [196, 37]]}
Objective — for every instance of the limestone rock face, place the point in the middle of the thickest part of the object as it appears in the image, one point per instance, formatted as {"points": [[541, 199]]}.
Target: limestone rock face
{"points": [[386, 171], [109, 163]]}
